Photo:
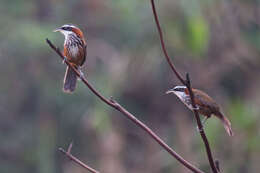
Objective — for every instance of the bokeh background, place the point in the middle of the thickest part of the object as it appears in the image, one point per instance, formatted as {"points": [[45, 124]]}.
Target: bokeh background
{"points": [[216, 41]]}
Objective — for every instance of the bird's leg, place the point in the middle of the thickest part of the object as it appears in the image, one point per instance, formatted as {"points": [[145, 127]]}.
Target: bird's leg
{"points": [[202, 123], [65, 59], [204, 120], [198, 129], [81, 73], [196, 108]]}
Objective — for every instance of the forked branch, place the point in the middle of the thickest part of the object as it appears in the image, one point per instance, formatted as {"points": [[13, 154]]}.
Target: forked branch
{"points": [[187, 83], [76, 160], [111, 102]]}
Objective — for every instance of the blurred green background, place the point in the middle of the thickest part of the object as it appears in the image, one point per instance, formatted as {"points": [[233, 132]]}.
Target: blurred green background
{"points": [[216, 41]]}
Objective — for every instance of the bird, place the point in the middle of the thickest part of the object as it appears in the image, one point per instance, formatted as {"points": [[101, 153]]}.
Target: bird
{"points": [[75, 50], [204, 104]]}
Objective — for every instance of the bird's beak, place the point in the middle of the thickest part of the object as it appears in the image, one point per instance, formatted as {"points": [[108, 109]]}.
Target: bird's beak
{"points": [[170, 91], [57, 29]]}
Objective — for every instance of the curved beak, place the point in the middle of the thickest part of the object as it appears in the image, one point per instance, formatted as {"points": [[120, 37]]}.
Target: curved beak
{"points": [[170, 91], [57, 29]]}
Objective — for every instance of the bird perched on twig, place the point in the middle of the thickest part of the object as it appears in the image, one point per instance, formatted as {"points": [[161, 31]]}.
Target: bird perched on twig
{"points": [[204, 104], [74, 52]]}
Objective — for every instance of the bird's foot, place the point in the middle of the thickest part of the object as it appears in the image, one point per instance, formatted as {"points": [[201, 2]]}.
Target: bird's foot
{"points": [[202, 124], [64, 60], [196, 108], [81, 76], [204, 121], [198, 129]]}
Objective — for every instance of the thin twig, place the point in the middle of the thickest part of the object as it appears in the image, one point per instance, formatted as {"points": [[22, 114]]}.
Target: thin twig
{"points": [[163, 45], [186, 83], [111, 102], [76, 160]]}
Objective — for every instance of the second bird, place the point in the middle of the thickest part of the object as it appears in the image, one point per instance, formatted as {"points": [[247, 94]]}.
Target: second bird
{"points": [[204, 103], [75, 53]]}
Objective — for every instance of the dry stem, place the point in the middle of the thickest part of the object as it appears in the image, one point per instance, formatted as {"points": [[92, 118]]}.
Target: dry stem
{"points": [[188, 84], [75, 160], [111, 102]]}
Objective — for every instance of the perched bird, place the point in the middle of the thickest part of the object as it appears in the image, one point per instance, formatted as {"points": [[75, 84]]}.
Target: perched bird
{"points": [[204, 104], [74, 52]]}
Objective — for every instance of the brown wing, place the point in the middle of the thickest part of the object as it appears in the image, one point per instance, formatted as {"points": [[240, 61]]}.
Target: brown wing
{"points": [[205, 101], [84, 52]]}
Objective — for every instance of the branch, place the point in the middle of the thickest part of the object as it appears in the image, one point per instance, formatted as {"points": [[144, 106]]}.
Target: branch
{"points": [[163, 45], [188, 85], [201, 130], [111, 102], [74, 159]]}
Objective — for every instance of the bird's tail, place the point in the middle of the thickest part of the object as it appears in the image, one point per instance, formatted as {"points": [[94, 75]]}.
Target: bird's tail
{"points": [[70, 80], [226, 123]]}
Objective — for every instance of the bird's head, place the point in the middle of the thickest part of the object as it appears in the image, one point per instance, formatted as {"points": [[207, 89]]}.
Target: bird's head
{"points": [[177, 89], [69, 29]]}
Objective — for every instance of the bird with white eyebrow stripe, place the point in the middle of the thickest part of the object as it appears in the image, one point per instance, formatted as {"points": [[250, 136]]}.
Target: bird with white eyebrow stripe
{"points": [[74, 52], [204, 104]]}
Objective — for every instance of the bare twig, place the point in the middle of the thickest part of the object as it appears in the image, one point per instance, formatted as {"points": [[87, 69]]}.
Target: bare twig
{"points": [[201, 130], [186, 83], [111, 102], [163, 45], [73, 158]]}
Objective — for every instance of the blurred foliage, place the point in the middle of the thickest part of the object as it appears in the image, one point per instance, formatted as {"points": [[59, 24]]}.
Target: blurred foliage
{"points": [[197, 34], [217, 42]]}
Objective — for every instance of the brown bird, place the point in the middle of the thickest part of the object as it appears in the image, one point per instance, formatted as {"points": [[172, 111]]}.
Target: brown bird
{"points": [[74, 52], [204, 104]]}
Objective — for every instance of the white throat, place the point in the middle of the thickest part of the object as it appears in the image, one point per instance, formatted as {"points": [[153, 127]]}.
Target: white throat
{"points": [[66, 33], [184, 98]]}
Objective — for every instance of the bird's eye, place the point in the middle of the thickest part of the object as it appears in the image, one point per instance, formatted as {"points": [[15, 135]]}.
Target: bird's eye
{"points": [[66, 28], [179, 89]]}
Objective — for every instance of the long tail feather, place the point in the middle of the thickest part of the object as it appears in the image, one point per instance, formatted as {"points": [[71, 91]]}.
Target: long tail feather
{"points": [[70, 80], [226, 123], [227, 126]]}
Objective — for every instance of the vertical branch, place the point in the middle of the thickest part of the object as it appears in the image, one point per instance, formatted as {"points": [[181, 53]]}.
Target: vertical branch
{"points": [[127, 114], [188, 85], [201, 130]]}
